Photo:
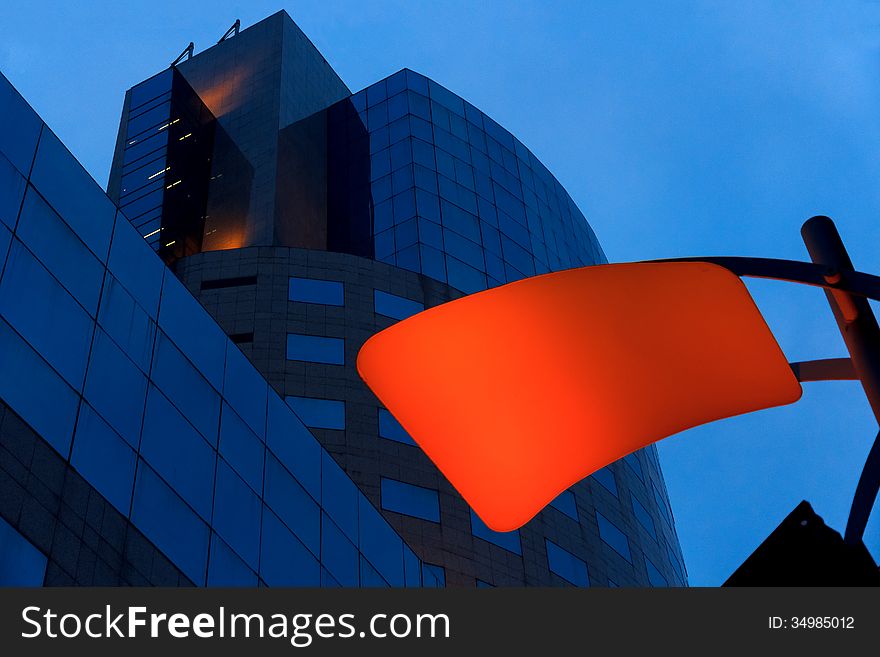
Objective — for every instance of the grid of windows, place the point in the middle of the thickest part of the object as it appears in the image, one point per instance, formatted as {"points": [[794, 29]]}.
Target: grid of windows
{"points": [[163, 414], [455, 195]]}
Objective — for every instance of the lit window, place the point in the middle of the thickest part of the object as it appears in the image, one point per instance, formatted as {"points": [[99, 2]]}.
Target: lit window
{"points": [[315, 349], [390, 428], [410, 500], [318, 413], [566, 565], [394, 306], [507, 540], [311, 290], [615, 538]]}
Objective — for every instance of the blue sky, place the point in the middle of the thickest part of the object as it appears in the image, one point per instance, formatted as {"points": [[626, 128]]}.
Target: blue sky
{"points": [[679, 128]]}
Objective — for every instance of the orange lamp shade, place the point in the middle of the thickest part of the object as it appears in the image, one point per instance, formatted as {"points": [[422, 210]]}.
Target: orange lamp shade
{"points": [[518, 392]]}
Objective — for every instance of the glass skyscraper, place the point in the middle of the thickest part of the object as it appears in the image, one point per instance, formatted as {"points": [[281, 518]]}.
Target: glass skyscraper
{"points": [[180, 403]]}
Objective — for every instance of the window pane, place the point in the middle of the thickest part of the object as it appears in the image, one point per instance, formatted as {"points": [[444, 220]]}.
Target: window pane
{"points": [[136, 266], [410, 500], [654, 575], [566, 565], [102, 457], [633, 462], [315, 349], [225, 568], [60, 251], [35, 391], [390, 428], [565, 502], [73, 194], [284, 560], [21, 564], [338, 554], [507, 540], [176, 450], [294, 445], [379, 543], [394, 306], [127, 323], [339, 496], [434, 576], [615, 538], [241, 448], [34, 303], [319, 413], [116, 389], [310, 290], [17, 143], [11, 192], [644, 518], [237, 514], [605, 477], [289, 500]]}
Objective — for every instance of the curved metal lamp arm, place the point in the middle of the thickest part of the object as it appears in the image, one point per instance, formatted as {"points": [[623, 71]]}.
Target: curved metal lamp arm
{"points": [[826, 369]]}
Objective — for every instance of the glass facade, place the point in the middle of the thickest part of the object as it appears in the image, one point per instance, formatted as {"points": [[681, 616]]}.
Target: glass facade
{"points": [[120, 370]]}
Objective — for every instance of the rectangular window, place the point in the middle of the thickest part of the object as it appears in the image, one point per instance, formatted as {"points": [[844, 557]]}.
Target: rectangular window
{"points": [[311, 290], [615, 538], [410, 500], [315, 349], [390, 428], [318, 413], [565, 502], [394, 306], [566, 565], [633, 461], [654, 575], [507, 540]]}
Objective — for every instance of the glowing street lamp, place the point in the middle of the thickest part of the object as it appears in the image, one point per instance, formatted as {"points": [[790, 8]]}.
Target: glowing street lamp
{"points": [[518, 392]]}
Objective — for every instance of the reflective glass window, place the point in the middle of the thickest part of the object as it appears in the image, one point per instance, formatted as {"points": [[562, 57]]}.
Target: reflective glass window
{"points": [[60, 251], [149, 89], [436, 575], [390, 428], [294, 445], [136, 266], [237, 514], [566, 565], [187, 388], [612, 536], [412, 570], [633, 462], [127, 323], [654, 575], [644, 518], [315, 349], [116, 388], [507, 540], [464, 277], [338, 554], [35, 391], [18, 138], [284, 560], [45, 314], [661, 503], [193, 330], [168, 522], [225, 568], [605, 477], [242, 448], [313, 290], [565, 502], [21, 564], [410, 500], [245, 389], [370, 577], [395, 306], [379, 543], [319, 413], [178, 452], [289, 500], [104, 459], [339, 496], [11, 192], [73, 194]]}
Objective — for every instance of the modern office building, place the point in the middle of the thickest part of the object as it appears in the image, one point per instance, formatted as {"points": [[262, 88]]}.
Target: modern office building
{"points": [[180, 398]]}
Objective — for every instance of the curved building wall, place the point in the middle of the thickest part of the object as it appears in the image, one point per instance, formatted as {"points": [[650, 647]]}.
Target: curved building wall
{"points": [[302, 315]]}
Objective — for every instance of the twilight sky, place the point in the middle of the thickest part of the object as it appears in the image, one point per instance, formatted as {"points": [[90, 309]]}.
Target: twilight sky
{"points": [[679, 128]]}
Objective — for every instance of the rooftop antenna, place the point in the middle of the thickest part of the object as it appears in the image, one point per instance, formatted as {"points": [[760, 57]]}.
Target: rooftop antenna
{"points": [[188, 51], [232, 31]]}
